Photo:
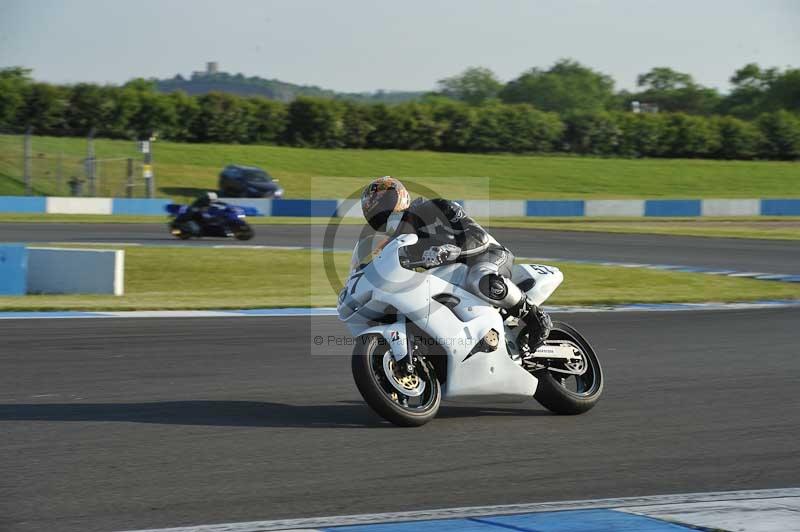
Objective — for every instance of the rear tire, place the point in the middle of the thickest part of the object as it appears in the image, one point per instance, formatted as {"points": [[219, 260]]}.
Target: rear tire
{"points": [[377, 392], [186, 230], [553, 395]]}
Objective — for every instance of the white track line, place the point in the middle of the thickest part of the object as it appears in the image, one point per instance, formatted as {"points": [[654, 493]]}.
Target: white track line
{"points": [[628, 503], [330, 311], [753, 515]]}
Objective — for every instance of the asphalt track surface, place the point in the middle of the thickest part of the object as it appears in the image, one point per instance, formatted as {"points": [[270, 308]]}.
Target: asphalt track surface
{"points": [[131, 423], [766, 256]]}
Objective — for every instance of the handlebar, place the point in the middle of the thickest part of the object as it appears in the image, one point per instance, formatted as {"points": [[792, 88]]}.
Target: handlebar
{"points": [[405, 263]]}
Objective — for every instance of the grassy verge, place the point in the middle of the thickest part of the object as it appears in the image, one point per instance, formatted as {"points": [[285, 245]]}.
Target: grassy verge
{"points": [[199, 278], [183, 170], [771, 228]]}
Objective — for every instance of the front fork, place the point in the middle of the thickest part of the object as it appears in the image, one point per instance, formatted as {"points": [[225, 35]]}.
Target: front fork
{"points": [[412, 354], [402, 345]]}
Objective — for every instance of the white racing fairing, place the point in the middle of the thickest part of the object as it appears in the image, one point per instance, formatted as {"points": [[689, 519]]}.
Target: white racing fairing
{"points": [[452, 317]]}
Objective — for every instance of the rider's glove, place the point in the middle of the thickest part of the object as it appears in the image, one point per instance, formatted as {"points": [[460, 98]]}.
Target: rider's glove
{"points": [[437, 255]]}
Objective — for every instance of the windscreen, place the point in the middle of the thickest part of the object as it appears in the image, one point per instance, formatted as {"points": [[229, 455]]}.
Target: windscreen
{"points": [[366, 249], [259, 176]]}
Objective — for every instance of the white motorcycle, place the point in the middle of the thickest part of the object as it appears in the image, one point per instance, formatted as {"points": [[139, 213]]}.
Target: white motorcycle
{"points": [[421, 338]]}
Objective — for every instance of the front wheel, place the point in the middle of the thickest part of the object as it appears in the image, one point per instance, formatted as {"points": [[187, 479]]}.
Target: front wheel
{"points": [[570, 390], [245, 232], [405, 398]]}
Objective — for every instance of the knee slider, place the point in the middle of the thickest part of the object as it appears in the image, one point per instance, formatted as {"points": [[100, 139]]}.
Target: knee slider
{"points": [[493, 286]]}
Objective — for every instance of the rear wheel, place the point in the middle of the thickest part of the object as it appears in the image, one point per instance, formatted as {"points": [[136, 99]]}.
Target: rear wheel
{"points": [[569, 389], [405, 398], [183, 230]]}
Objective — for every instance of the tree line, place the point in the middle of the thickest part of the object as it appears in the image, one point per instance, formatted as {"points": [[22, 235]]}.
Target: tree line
{"points": [[203, 83], [567, 108]]}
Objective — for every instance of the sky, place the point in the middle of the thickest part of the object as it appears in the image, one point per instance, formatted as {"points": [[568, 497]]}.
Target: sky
{"points": [[365, 45]]}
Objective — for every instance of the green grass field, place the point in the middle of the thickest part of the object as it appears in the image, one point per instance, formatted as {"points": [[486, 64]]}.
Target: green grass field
{"points": [[201, 278], [182, 170], [784, 228]]}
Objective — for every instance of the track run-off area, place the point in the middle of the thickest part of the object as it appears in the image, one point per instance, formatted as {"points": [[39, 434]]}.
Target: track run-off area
{"points": [[113, 424], [118, 423]]}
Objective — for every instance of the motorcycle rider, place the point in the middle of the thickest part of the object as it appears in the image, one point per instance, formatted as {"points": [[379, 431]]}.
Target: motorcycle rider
{"points": [[204, 201], [446, 234], [201, 205]]}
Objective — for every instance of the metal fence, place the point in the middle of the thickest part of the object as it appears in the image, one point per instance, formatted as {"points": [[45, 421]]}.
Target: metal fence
{"points": [[39, 166]]}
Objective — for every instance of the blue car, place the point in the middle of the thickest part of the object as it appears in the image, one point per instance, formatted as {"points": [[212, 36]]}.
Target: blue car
{"points": [[247, 182]]}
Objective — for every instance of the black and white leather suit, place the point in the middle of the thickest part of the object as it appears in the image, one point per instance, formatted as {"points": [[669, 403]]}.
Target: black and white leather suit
{"points": [[440, 222]]}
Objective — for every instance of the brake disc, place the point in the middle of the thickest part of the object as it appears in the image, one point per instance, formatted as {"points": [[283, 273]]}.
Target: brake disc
{"points": [[409, 384]]}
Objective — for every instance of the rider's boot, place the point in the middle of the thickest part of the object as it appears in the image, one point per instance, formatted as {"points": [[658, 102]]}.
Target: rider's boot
{"points": [[537, 321]]}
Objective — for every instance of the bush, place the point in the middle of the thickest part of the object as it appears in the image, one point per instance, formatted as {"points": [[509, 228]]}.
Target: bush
{"points": [[87, 109], [187, 109], [589, 132], [689, 136], [514, 128], [640, 134], [457, 121], [266, 120], [781, 131], [221, 118], [414, 127], [738, 139], [356, 126], [42, 108], [528, 129], [488, 133], [314, 122], [157, 113]]}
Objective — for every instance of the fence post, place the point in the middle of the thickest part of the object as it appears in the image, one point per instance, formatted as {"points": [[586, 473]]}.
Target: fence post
{"points": [[60, 173], [26, 161], [129, 188], [91, 166], [149, 176]]}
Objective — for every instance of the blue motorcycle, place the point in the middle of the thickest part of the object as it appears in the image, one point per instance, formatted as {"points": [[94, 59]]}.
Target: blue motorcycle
{"points": [[216, 219]]}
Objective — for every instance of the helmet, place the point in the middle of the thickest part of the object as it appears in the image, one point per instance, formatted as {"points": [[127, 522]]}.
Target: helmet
{"points": [[205, 199], [381, 198]]}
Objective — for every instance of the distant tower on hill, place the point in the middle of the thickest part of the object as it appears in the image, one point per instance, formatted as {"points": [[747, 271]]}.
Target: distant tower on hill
{"points": [[212, 67]]}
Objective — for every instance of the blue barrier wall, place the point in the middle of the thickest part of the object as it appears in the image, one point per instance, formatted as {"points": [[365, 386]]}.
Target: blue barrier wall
{"points": [[554, 208], [480, 208], [297, 207], [23, 204], [139, 206], [780, 207], [672, 207], [13, 270]]}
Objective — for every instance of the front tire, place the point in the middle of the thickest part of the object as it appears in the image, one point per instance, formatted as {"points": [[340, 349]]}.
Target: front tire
{"points": [[245, 233], [385, 399], [553, 391]]}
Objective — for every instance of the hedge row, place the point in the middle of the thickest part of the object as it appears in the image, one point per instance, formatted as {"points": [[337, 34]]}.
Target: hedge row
{"points": [[435, 124]]}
